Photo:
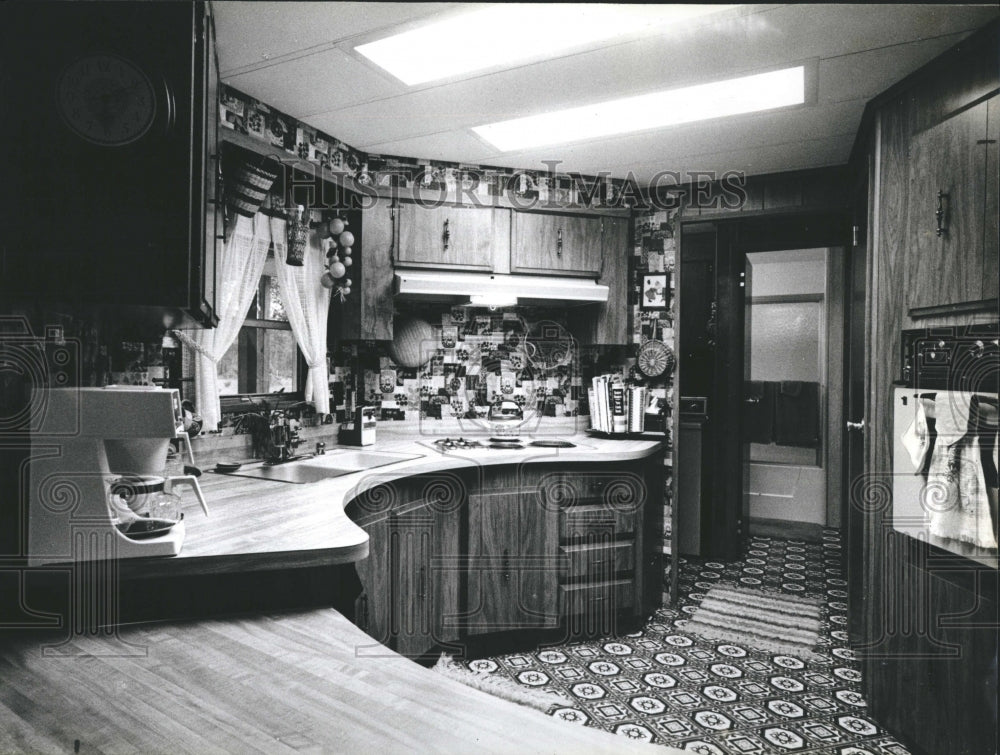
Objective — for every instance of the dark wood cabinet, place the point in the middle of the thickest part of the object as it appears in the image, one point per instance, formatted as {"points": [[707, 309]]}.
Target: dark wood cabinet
{"points": [[452, 237], [459, 557], [556, 244], [366, 315], [512, 555], [111, 155], [957, 263], [409, 598]]}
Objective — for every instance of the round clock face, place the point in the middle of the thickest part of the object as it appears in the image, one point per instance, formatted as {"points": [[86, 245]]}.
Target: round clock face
{"points": [[106, 99]]}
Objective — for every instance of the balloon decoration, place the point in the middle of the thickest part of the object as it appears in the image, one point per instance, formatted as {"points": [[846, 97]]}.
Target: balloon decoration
{"points": [[338, 244]]}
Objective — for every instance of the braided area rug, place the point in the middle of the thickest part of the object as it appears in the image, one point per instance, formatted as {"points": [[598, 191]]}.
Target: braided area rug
{"points": [[763, 620]]}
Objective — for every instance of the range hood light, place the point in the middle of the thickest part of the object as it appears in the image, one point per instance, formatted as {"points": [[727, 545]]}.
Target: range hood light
{"points": [[493, 300], [497, 290]]}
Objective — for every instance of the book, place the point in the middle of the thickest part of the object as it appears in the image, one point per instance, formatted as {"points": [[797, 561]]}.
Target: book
{"points": [[636, 409], [619, 420]]}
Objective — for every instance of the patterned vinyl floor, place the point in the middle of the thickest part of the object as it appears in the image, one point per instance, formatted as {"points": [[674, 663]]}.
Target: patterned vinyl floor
{"points": [[664, 686]]}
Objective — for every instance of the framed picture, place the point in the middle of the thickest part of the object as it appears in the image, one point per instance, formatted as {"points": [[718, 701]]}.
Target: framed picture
{"points": [[655, 291]]}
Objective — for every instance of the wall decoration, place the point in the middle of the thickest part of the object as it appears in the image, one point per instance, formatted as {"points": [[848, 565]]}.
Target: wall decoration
{"points": [[655, 291]]}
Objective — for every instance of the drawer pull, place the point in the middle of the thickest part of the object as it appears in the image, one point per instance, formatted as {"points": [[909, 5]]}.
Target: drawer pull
{"points": [[505, 566], [422, 590], [559, 243], [446, 235]]}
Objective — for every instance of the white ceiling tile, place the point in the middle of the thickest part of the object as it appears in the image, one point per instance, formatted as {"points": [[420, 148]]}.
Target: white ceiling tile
{"points": [[252, 33], [862, 49], [866, 74], [298, 85]]}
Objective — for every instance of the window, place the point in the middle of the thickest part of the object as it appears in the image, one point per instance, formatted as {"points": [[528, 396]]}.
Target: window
{"points": [[264, 358]]}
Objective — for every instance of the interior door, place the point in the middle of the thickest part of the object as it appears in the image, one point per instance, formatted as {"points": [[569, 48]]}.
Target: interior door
{"points": [[785, 365]]}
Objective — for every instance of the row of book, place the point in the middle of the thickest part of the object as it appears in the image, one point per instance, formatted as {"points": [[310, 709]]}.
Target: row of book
{"points": [[616, 407]]}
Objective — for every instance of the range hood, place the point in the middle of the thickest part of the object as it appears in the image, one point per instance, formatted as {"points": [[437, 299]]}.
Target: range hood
{"points": [[489, 289]]}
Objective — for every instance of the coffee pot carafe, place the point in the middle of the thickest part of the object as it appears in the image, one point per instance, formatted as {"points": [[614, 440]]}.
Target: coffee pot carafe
{"points": [[144, 506]]}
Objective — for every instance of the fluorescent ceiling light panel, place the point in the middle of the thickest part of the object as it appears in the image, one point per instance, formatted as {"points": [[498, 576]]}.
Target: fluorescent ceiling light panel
{"points": [[747, 94], [506, 34]]}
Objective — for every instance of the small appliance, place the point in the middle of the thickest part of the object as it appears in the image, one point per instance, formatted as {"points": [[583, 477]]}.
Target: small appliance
{"points": [[89, 447]]}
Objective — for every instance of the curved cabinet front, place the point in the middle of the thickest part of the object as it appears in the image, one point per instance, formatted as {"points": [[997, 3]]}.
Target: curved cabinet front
{"points": [[465, 554]]}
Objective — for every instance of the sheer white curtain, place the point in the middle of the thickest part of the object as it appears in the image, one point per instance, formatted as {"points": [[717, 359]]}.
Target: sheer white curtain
{"points": [[239, 269], [307, 305]]}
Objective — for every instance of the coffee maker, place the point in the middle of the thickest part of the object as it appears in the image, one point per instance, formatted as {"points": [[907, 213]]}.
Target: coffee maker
{"points": [[83, 441]]}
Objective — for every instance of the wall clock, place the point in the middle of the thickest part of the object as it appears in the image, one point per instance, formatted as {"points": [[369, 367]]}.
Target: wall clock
{"points": [[106, 99]]}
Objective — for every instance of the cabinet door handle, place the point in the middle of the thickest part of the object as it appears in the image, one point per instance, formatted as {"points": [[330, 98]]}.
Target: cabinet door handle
{"points": [[505, 566], [364, 611], [422, 589], [939, 213], [446, 235], [559, 243]]}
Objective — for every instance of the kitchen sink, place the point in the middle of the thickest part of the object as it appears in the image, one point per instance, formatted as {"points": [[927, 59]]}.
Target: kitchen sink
{"points": [[332, 464]]}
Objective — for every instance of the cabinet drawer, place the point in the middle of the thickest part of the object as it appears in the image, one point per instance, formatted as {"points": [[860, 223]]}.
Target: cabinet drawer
{"points": [[593, 521], [613, 595], [598, 559]]}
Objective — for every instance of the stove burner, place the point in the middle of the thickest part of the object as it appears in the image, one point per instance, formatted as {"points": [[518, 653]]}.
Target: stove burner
{"points": [[553, 444], [506, 444], [449, 444]]}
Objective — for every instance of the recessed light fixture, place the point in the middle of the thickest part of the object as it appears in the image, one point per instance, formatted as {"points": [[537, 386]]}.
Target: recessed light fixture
{"points": [[747, 94], [512, 33]]}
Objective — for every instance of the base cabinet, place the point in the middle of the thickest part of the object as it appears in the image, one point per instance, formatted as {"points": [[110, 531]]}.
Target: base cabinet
{"points": [[409, 590], [532, 547], [512, 558]]}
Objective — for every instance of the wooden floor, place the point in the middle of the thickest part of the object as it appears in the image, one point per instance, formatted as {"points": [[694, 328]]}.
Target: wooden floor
{"points": [[298, 682]]}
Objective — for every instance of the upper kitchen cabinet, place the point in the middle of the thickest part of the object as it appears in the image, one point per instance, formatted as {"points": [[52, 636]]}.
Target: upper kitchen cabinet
{"points": [[611, 319], [556, 244], [452, 237], [953, 209], [109, 128], [366, 314]]}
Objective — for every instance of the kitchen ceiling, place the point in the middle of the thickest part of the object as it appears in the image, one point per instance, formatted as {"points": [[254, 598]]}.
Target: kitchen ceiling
{"points": [[300, 58]]}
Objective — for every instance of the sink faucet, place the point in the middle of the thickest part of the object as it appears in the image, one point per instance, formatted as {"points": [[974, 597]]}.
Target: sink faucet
{"points": [[284, 438]]}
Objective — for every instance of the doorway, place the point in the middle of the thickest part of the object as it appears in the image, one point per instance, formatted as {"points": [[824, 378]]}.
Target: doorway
{"points": [[793, 332]]}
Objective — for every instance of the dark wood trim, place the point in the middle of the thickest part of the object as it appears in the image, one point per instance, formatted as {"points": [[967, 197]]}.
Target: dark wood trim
{"points": [[787, 299], [251, 322], [958, 308]]}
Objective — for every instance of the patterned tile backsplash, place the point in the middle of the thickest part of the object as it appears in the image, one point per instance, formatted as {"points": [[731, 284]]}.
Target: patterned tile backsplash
{"points": [[475, 356]]}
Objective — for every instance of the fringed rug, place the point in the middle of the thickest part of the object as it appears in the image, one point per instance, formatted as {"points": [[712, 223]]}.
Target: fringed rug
{"points": [[767, 621], [500, 687]]}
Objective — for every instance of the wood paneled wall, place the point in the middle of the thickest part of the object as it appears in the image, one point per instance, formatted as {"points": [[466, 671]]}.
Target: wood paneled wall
{"points": [[929, 637]]}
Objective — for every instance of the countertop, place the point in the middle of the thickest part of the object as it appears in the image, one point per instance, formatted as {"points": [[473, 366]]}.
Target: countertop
{"points": [[262, 524], [300, 682]]}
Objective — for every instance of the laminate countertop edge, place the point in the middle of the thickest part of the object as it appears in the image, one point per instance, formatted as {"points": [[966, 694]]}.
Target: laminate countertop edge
{"points": [[257, 524]]}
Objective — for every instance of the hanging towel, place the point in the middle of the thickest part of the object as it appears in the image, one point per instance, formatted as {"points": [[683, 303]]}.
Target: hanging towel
{"points": [[758, 412], [919, 436], [956, 496], [796, 414]]}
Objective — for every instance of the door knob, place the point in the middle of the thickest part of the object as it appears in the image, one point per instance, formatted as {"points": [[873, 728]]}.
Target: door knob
{"points": [[856, 425]]}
